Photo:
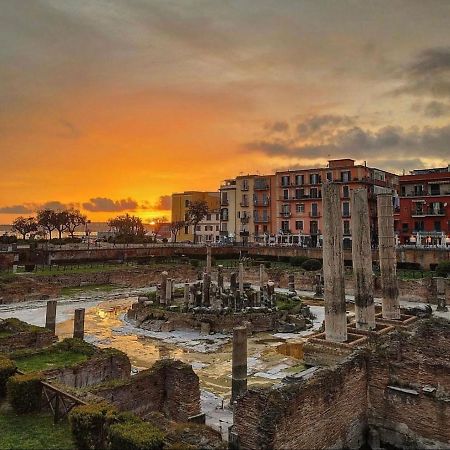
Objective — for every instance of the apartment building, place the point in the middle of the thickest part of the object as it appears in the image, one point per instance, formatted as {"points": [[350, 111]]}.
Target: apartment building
{"points": [[207, 229], [299, 198], [247, 208], [422, 216]]}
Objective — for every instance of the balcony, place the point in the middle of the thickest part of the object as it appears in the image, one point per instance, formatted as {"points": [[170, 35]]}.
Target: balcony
{"points": [[314, 214], [244, 187], [245, 220], [224, 202], [261, 203], [286, 214], [244, 204], [261, 219], [261, 187], [435, 213]]}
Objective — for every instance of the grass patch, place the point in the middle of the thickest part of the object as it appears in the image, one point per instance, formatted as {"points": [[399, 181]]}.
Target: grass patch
{"points": [[5, 333], [49, 360], [32, 431]]}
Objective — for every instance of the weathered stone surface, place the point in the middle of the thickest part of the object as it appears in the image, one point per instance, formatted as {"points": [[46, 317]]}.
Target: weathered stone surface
{"points": [[170, 387]]}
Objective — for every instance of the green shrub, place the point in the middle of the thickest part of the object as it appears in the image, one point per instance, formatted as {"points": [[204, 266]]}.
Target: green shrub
{"points": [[298, 260], [7, 369], [136, 436], [312, 264], [25, 392], [443, 269], [76, 345], [90, 425]]}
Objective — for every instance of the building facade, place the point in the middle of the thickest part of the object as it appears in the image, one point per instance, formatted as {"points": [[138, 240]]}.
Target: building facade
{"points": [[180, 207], [299, 199], [247, 208], [423, 214]]}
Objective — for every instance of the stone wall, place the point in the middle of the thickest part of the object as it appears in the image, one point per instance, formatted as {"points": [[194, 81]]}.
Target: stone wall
{"points": [[326, 411], [101, 368], [26, 340], [397, 391], [409, 387], [170, 387]]}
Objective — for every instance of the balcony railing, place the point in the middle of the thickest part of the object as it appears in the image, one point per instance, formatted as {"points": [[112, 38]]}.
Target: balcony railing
{"points": [[224, 202], [261, 187], [440, 212], [261, 219], [285, 214], [244, 204], [314, 214], [261, 203], [244, 188]]}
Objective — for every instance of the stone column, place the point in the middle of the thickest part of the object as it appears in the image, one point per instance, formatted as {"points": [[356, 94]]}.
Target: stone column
{"points": [[78, 324], [205, 290], [362, 260], [50, 317], [270, 293], [233, 282], [162, 298], [208, 259], [291, 283], [241, 279], [333, 265], [220, 277], [386, 246], [239, 363], [169, 291], [262, 276], [186, 294], [441, 293]]}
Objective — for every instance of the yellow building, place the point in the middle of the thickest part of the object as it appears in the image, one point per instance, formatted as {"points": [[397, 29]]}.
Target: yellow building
{"points": [[180, 207]]}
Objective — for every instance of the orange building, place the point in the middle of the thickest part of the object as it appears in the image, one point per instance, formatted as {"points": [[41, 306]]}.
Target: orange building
{"points": [[299, 198]]}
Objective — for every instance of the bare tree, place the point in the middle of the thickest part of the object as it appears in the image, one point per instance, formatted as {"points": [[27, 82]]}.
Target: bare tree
{"points": [[74, 220], [25, 225], [46, 220], [175, 228], [196, 213]]}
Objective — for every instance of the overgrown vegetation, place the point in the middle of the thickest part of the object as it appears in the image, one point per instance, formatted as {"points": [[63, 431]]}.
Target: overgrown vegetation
{"points": [[443, 269], [136, 436], [24, 392], [7, 369]]}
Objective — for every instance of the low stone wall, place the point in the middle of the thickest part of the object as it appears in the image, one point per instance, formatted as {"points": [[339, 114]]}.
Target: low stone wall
{"points": [[170, 387], [105, 366], [397, 391], [263, 321]]}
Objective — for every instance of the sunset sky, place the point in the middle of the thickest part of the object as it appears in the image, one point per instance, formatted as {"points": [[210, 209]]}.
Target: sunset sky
{"points": [[112, 105]]}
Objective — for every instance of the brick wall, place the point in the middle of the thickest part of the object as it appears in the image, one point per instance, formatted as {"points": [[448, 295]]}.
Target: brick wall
{"points": [[315, 413], [170, 387]]}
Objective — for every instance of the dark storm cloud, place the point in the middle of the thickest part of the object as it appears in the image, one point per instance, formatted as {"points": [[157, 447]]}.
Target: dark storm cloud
{"points": [[103, 204], [390, 143], [436, 109], [164, 203], [276, 127], [427, 74], [316, 124], [15, 209]]}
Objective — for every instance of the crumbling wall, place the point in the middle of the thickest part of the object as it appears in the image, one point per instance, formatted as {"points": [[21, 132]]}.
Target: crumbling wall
{"points": [[409, 387], [170, 387], [96, 370], [327, 410]]}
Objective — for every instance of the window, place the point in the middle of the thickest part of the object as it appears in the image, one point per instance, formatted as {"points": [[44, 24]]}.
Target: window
{"points": [[405, 227], [198, 228], [186, 230], [285, 209], [437, 225], [300, 207], [403, 191], [285, 225], [217, 217], [419, 209], [329, 176], [299, 179], [345, 176], [208, 217], [299, 224], [345, 192], [346, 227], [418, 190], [299, 193], [264, 228], [419, 225], [285, 180], [435, 189], [224, 226], [313, 227], [224, 198], [186, 203], [256, 229], [346, 209], [314, 193], [314, 178], [314, 210], [285, 194]]}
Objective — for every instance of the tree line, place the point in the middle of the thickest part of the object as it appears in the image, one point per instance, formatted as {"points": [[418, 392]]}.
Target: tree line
{"points": [[125, 226]]}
